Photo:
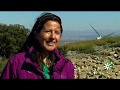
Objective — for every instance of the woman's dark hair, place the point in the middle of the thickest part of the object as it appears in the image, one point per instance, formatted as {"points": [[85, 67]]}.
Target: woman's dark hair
{"points": [[31, 41]]}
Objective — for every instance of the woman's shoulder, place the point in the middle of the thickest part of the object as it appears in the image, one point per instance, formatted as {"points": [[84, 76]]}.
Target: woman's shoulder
{"points": [[17, 57]]}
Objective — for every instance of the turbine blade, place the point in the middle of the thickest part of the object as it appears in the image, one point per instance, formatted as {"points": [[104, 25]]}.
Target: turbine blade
{"points": [[109, 34], [95, 30]]}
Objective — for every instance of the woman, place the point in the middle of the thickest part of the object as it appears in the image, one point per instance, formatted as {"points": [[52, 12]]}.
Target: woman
{"points": [[39, 57]]}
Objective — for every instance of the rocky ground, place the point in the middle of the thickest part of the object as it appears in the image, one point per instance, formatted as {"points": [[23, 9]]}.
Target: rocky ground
{"points": [[103, 65]]}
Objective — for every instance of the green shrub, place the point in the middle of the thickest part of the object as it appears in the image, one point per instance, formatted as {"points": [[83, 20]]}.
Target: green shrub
{"points": [[87, 45], [2, 64], [63, 49]]}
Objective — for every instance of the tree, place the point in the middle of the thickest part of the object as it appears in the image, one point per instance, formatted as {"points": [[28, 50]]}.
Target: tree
{"points": [[12, 38]]}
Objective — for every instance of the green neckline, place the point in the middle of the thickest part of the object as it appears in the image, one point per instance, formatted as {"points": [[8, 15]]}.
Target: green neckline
{"points": [[46, 71]]}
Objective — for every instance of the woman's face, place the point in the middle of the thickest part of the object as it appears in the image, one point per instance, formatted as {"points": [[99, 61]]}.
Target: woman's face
{"points": [[49, 36]]}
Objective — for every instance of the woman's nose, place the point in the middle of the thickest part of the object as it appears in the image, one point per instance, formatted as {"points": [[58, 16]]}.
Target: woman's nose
{"points": [[52, 35]]}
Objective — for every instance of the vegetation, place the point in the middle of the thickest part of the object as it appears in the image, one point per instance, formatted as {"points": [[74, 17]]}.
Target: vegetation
{"points": [[12, 38], [3, 63], [87, 46]]}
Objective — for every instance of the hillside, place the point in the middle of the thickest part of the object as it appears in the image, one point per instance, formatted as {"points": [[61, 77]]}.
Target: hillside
{"points": [[104, 64]]}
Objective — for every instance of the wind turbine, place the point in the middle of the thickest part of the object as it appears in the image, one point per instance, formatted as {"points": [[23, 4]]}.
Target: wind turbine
{"points": [[96, 32], [99, 36]]}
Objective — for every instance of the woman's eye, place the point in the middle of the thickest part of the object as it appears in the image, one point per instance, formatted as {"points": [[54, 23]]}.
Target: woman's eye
{"points": [[47, 31], [57, 32]]}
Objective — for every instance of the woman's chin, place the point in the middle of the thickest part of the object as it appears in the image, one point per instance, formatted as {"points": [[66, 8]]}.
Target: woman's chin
{"points": [[50, 48]]}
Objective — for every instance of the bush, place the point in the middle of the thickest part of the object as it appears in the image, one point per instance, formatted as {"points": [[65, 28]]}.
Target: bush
{"points": [[87, 45], [2, 64]]}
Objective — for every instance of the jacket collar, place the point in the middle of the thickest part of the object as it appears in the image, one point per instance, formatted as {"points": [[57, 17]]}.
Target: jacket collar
{"points": [[58, 66], [61, 62]]}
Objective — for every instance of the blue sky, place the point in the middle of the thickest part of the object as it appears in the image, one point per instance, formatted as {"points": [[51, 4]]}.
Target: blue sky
{"points": [[71, 20]]}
